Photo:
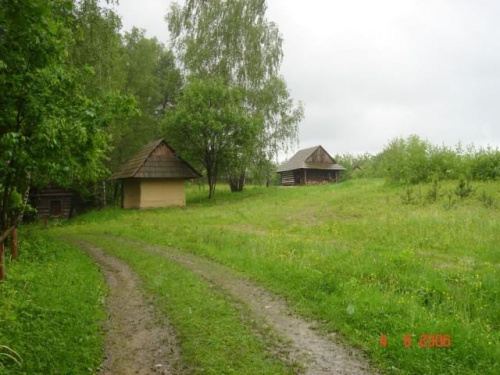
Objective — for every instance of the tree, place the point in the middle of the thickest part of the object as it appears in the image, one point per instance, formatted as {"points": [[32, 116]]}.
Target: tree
{"points": [[407, 160], [98, 51], [234, 41], [126, 67], [211, 125], [50, 130], [169, 80], [97, 47]]}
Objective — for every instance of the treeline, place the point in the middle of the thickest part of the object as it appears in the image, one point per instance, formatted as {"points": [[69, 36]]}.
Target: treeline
{"points": [[128, 65], [79, 97], [413, 160]]}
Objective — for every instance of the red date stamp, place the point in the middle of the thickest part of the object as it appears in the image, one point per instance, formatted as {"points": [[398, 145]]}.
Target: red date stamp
{"points": [[425, 340], [434, 341]]}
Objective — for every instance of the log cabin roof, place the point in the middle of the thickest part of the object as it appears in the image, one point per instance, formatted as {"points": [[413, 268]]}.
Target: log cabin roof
{"points": [[311, 158], [156, 160]]}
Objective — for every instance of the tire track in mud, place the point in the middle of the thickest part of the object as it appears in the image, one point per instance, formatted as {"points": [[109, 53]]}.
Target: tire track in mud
{"points": [[139, 340], [318, 354]]}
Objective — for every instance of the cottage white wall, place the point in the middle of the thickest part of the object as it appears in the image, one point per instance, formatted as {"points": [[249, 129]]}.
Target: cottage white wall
{"points": [[160, 192]]}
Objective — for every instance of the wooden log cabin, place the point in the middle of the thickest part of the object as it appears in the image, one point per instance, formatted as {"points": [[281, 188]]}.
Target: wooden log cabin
{"points": [[309, 166], [154, 177], [53, 202]]}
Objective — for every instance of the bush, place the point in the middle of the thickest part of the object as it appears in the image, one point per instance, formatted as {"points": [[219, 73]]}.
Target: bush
{"points": [[464, 189], [433, 192], [413, 160], [407, 197]]}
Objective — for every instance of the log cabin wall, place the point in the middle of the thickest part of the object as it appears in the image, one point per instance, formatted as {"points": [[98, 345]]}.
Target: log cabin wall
{"points": [[321, 175], [53, 201], [287, 178]]}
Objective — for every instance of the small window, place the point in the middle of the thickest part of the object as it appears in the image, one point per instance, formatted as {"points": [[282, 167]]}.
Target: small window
{"points": [[55, 208]]}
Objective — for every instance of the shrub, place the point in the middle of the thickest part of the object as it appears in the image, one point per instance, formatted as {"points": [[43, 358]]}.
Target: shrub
{"points": [[433, 192], [464, 189], [407, 197]]}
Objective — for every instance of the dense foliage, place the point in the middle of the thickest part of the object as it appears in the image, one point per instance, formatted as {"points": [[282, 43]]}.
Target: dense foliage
{"points": [[78, 98], [211, 124], [413, 160], [235, 43]]}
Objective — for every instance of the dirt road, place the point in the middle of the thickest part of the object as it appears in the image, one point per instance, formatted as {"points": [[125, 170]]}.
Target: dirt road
{"points": [[139, 340], [319, 354]]}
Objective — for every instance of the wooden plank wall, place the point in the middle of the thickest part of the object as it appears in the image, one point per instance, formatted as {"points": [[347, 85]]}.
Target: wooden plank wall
{"points": [[287, 178], [319, 175], [43, 197], [320, 156]]}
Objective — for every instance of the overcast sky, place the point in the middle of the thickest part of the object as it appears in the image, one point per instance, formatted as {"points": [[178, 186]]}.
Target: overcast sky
{"points": [[368, 71]]}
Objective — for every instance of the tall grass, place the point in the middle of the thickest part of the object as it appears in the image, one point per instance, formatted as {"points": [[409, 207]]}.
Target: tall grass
{"points": [[51, 307], [356, 259]]}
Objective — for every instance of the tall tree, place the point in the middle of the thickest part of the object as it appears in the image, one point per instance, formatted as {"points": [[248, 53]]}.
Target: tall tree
{"points": [[97, 47], [131, 66], [151, 77], [234, 40], [170, 82], [211, 125], [50, 130]]}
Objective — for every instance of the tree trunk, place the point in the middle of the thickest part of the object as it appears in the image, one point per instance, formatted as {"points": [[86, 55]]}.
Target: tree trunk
{"points": [[212, 181], [237, 183], [13, 244], [211, 187], [2, 261], [104, 194]]}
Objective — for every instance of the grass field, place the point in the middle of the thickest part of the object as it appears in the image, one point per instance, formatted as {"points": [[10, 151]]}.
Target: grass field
{"points": [[51, 307], [353, 257]]}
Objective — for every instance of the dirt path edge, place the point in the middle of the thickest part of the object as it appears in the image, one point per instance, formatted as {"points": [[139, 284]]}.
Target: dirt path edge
{"points": [[320, 354], [139, 340]]}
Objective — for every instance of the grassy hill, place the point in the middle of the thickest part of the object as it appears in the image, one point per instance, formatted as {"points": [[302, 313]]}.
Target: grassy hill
{"points": [[358, 257]]}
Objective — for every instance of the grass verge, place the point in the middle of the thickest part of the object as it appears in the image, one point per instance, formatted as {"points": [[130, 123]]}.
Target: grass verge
{"points": [[51, 307]]}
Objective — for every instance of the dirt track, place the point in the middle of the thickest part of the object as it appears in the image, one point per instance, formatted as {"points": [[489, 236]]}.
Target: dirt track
{"points": [[139, 340], [318, 354]]}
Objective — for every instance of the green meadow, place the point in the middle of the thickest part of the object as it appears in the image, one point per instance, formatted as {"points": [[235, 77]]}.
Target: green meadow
{"points": [[358, 257], [51, 309]]}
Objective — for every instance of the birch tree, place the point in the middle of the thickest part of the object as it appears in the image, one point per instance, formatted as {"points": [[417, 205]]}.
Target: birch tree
{"points": [[233, 40]]}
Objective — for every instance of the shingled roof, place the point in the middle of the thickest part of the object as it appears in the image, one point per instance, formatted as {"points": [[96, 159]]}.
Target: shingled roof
{"points": [[311, 158], [156, 160]]}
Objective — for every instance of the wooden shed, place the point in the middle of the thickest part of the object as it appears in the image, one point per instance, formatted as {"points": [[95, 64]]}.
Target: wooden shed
{"points": [[154, 177], [310, 165], [53, 201]]}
